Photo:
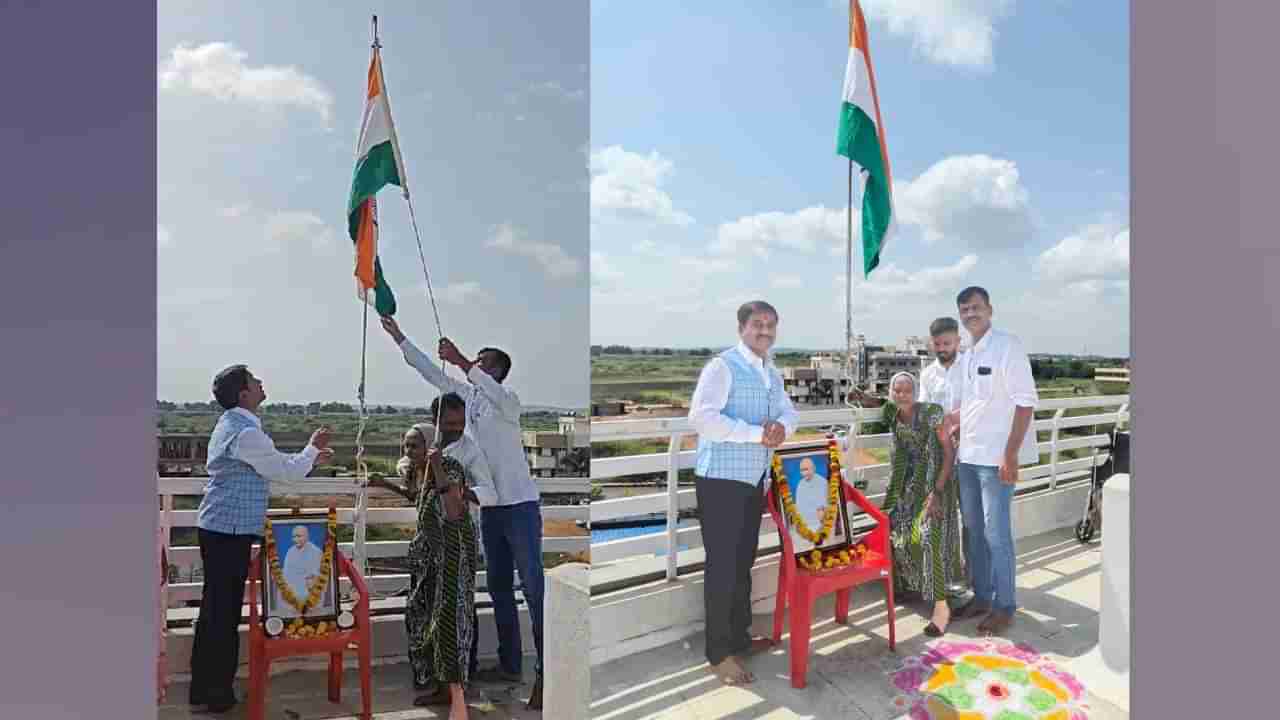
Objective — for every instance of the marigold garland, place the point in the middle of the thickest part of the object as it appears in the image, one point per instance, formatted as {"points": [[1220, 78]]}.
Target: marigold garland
{"points": [[299, 627], [816, 559], [833, 497]]}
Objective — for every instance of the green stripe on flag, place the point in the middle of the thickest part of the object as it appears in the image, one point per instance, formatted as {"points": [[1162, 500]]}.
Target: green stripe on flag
{"points": [[374, 171], [384, 302], [859, 141]]}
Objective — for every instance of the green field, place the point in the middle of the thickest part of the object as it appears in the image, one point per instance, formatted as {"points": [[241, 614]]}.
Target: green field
{"points": [[657, 377], [379, 428]]}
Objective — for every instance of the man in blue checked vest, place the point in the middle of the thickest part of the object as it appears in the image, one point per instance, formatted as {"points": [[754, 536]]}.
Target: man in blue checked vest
{"points": [[741, 414], [242, 463]]}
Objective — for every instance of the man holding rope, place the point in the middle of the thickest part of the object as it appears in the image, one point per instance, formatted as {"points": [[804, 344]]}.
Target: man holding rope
{"points": [[512, 526]]}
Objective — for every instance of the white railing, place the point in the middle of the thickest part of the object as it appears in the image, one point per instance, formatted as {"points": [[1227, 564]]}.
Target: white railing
{"points": [[186, 557], [676, 430]]}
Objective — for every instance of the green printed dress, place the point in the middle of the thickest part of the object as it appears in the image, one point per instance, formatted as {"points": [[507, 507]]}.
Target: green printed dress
{"points": [[442, 601], [926, 550]]}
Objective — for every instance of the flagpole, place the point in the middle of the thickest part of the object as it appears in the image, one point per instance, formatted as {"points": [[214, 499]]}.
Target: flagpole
{"points": [[360, 521]]}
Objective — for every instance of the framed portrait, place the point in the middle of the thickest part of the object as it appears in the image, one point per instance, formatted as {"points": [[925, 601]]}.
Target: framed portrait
{"points": [[806, 471], [299, 553]]}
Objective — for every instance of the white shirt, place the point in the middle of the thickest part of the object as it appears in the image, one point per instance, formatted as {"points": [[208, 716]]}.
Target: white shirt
{"points": [[811, 496], [300, 564], [255, 447], [941, 386], [493, 423], [997, 378], [706, 408]]}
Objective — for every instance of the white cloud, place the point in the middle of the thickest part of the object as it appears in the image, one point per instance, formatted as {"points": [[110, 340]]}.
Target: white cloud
{"points": [[463, 293], [287, 229], [549, 89], [602, 271], [164, 238], [235, 211], [218, 70], [553, 259], [804, 230], [628, 184], [890, 283], [1095, 253], [973, 200], [949, 32]]}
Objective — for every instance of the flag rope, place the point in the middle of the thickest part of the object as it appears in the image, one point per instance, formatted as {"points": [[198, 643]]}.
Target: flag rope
{"points": [[362, 468]]}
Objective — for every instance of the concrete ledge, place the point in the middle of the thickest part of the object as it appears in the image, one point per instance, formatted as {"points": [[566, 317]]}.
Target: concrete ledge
{"points": [[1105, 669], [649, 616], [567, 612], [390, 645]]}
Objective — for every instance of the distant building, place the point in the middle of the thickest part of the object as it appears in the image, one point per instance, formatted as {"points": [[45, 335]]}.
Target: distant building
{"points": [[822, 383], [608, 408], [565, 452]]}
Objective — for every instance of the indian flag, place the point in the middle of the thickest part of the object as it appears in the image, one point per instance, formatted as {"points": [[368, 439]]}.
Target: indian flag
{"points": [[378, 164], [861, 139]]}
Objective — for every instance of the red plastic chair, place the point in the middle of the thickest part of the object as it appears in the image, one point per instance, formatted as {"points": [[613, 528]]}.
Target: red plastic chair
{"points": [[800, 588], [263, 649]]}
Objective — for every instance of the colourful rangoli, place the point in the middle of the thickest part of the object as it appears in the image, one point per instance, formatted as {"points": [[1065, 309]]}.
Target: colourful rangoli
{"points": [[990, 679]]}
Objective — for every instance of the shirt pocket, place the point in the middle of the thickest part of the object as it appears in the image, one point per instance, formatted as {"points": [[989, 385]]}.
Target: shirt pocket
{"points": [[984, 385]]}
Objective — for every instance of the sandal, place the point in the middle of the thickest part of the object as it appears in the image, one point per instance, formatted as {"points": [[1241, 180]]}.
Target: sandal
{"points": [[932, 630]]}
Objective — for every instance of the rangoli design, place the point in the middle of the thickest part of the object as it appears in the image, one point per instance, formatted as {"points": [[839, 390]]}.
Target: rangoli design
{"points": [[981, 680]]}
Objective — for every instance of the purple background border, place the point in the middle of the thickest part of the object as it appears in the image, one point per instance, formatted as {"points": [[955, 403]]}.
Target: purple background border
{"points": [[78, 317], [1204, 254], [78, 322]]}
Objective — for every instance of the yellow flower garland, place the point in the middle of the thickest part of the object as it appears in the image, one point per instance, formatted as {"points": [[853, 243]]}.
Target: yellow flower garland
{"points": [[816, 559], [299, 628]]}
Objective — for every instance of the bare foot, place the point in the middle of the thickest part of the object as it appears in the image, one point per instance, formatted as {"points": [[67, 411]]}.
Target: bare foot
{"points": [[941, 615], [458, 706], [731, 673]]}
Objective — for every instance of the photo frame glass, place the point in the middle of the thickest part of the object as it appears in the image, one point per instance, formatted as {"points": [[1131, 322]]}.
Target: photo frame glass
{"points": [[300, 543], [806, 471]]}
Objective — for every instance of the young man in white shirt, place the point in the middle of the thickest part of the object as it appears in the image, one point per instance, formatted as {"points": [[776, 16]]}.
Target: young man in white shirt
{"points": [[995, 415], [512, 526], [242, 464], [940, 380], [741, 413]]}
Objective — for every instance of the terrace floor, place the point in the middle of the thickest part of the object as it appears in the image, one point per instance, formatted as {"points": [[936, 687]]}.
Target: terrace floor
{"points": [[851, 669], [301, 695]]}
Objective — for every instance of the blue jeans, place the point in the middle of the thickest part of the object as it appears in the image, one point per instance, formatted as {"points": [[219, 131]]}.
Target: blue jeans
{"points": [[985, 505], [513, 541]]}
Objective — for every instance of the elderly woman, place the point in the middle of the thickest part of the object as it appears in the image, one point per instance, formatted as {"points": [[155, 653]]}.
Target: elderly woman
{"points": [[922, 501], [440, 612]]}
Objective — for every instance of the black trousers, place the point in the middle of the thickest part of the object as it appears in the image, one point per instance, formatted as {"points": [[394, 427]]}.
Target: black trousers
{"points": [[730, 517], [215, 653]]}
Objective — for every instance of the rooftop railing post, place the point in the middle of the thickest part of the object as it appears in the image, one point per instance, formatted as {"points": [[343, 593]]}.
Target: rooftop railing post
{"points": [[673, 505], [1053, 448]]}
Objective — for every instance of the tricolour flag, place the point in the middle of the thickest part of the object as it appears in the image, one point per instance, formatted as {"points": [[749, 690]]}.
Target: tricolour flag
{"points": [[861, 139], [378, 164]]}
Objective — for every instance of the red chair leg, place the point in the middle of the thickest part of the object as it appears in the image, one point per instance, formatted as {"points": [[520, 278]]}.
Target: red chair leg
{"points": [[366, 678], [842, 606], [258, 691], [888, 599], [779, 612], [801, 608], [335, 677], [255, 694]]}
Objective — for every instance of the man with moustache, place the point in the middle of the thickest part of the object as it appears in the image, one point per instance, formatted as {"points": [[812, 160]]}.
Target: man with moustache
{"points": [[741, 414], [995, 412]]}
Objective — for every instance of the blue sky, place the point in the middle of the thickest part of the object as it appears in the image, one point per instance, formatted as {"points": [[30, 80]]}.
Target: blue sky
{"points": [[259, 109], [715, 180]]}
